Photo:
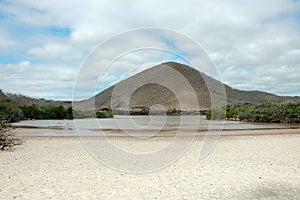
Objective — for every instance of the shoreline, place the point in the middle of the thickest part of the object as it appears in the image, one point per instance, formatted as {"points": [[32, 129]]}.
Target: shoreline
{"points": [[19, 132]]}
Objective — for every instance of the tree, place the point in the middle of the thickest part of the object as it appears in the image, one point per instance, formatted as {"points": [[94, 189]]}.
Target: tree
{"points": [[32, 111], [9, 112]]}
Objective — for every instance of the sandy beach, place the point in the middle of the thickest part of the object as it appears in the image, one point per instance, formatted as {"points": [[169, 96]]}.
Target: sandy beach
{"points": [[252, 167]]}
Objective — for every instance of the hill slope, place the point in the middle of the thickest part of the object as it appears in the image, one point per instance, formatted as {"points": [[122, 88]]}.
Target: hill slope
{"points": [[19, 100], [173, 86]]}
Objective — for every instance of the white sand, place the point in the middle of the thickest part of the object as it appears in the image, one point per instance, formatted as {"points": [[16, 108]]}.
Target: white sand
{"points": [[265, 167]]}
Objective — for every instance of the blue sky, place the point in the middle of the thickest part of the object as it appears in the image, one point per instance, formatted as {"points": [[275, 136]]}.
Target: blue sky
{"points": [[255, 45]]}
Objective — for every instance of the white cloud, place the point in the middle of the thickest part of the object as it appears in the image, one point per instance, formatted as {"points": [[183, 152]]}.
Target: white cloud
{"points": [[6, 41], [34, 79], [251, 38], [55, 52]]}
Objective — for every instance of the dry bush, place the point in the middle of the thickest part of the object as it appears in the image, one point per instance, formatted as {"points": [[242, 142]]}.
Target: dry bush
{"points": [[7, 138]]}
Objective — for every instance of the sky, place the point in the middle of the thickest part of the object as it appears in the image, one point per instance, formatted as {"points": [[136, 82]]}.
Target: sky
{"points": [[255, 44]]}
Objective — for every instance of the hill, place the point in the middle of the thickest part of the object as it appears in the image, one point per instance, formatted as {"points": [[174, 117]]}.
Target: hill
{"points": [[21, 100], [168, 84]]}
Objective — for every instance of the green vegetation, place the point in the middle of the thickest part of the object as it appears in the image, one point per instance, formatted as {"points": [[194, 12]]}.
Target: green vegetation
{"points": [[12, 112], [104, 114], [9, 111], [216, 114], [267, 112], [92, 114], [46, 112]]}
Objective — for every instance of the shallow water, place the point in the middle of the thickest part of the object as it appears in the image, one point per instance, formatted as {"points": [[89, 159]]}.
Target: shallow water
{"points": [[127, 125]]}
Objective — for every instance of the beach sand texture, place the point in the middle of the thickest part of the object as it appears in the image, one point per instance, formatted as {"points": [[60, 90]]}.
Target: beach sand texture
{"points": [[262, 167]]}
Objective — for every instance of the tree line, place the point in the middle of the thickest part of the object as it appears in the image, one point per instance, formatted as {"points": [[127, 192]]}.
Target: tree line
{"points": [[266, 112], [11, 112]]}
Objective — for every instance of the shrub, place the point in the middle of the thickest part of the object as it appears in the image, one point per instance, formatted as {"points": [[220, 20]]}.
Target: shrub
{"points": [[216, 114], [266, 112], [208, 115], [92, 114], [46, 112], [7, 138], [104, 114]]}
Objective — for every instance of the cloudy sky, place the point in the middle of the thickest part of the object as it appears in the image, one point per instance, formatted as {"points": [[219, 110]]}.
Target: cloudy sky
{"points": [[255, 44]]}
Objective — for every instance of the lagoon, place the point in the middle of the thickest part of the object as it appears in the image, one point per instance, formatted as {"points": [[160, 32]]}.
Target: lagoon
{"points": [[153, 125]]}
